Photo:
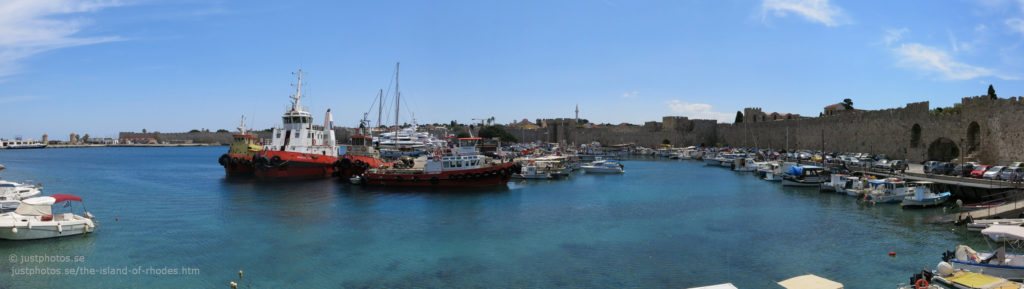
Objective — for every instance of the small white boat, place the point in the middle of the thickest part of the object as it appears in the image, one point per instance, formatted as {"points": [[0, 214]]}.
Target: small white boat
{"points": [[923, 197], [17, 191], [719, 286], [744, 165], [34, 219], [998, 263], [887, 191], [604, 167], [529, 172], [810, 281]]}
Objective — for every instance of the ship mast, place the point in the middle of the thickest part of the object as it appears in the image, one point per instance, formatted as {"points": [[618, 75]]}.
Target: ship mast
{"points": [[241, 127], [398, 98], [296, 106], [380, 106]]}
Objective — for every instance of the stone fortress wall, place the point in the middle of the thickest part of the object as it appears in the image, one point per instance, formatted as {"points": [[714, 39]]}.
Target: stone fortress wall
{"points": [[987, 130]]}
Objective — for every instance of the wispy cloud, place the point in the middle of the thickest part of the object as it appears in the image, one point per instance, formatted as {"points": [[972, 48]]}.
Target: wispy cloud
{"points": [[630, 95], [698, 111], [894, 35], [934, 60], [29, 27], [814, 10]]}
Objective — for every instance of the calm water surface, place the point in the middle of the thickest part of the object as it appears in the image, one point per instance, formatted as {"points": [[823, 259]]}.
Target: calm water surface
{"points": [[662, 224]]}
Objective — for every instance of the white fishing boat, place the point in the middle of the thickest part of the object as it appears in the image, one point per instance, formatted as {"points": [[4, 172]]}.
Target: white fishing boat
{"points": [[35, 219], [835, 183], [852, 187], [604, 167], [923, 197], [744, 165], [529, 172], [887, 191], [804, 176]]}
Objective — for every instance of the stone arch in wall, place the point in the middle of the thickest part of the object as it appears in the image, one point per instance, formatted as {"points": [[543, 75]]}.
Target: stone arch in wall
{"points": [[943, 149], [973, 137], [915, 136]]}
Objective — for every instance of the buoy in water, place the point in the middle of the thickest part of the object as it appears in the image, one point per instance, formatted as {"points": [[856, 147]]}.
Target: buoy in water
{"points": [[115, 219], [892, 253]]}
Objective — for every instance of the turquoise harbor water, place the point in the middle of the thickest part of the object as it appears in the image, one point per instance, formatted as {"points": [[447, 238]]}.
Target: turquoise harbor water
{"points": [[662, 224]]}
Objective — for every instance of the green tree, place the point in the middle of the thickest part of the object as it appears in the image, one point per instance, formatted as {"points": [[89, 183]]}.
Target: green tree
{"points": [[461, 134], [992, 92], [193, 131], [739, 117], [497, 131], [143, 130], [847, 103], [85, 138], [665, 141], [222, 130]]}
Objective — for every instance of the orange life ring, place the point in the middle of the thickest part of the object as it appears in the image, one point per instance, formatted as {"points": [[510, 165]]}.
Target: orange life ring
{"points": [[921, 284]]}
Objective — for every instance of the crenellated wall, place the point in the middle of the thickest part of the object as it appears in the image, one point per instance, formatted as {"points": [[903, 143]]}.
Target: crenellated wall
{"points": [[999, 138]]}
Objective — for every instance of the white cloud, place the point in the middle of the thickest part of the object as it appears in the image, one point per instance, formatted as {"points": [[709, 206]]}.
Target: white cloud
{"points": [[698, 111], [29, 27], [814, 10], [894, 35], [1016, 25], [933, 60], [630, 95]]}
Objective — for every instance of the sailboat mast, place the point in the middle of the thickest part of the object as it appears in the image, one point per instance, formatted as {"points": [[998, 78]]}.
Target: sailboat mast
{"points": [[398, 100], [380, 106]]}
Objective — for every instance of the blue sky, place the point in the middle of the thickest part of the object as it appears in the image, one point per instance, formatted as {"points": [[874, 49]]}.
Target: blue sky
{"points": [[100, 67]]}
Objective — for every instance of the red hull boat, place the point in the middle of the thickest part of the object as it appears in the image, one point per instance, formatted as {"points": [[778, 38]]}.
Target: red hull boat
{"points": [[298, 148]]}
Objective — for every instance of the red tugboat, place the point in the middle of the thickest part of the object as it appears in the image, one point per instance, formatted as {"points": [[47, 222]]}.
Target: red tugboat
{"points": [[298, 148], [359, 156], [465, 167], [238, 160]]}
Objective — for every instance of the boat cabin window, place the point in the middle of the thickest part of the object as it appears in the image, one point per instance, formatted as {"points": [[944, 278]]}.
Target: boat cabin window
{"points": [[287, 120], [467, 142], [296, 134]]}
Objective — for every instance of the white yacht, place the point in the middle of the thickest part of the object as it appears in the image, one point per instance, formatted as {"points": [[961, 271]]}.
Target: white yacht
{"points": [[13, 191], [34, 219], [604, 167]]}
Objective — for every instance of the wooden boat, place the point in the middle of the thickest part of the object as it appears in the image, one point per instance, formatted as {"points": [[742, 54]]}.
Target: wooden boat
{"points": [[804, 176], [923, 197], [997, 263]]}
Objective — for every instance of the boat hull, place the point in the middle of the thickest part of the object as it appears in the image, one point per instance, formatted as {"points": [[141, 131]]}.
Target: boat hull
{"points": [[283, 164], [925, 202], [1008, 272], [235, 164], [45, 231], [792, 183], [349, 166], [497, 175]]}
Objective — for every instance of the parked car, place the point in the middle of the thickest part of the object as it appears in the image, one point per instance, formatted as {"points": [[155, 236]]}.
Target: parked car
{"points": [[1011, 173], [993, 173], [979, 171], [1016, 164], [942, 168], [897, 164], [928, 166], [881, 164]]}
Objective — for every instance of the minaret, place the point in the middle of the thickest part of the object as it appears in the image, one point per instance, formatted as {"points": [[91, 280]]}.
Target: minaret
{"points": [[577, 113]]}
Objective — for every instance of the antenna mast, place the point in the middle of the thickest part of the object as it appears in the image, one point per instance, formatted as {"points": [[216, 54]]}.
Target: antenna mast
{"points": [[398, 97], [298, 92]]}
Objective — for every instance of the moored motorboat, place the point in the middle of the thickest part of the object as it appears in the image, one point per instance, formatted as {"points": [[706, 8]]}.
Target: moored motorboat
{"points": [[34, 219], [998, 263], [530, 172], [604, 166], [14, 191], [804, 176], [966, 279], [810, 281], [298, 148], [887, 191], [465, 167], [923, 197], [360, 155]]}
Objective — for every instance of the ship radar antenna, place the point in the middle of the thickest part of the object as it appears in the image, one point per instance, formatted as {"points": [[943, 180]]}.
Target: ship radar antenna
{"points": [[241, 126], [298, 91]]}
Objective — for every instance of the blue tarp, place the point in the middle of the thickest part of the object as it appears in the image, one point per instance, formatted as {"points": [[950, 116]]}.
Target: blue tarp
{"points": [[795, 171]]}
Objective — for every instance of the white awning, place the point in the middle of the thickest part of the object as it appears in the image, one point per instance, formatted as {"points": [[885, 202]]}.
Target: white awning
{"points": [[810, 281], [1005, 232]]}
